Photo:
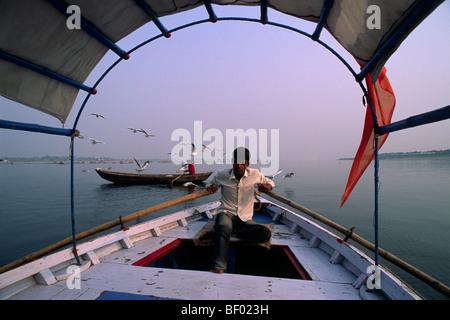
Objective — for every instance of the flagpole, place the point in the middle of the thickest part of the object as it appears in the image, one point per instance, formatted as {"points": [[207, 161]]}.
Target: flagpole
{"points": [[376, 163], [376, 135]]}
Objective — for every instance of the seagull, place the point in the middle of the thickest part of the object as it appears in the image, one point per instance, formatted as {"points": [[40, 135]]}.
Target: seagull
{"points": [[96, 141], [189, 184], [146, 134], [288, 175], [183, 168], [97, 115], [193, 150], [273, 176], [141, 167]]}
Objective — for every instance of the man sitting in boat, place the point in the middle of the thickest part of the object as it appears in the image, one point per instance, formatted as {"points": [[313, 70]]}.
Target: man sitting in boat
{"points": [[189, 166], [236, 210]]}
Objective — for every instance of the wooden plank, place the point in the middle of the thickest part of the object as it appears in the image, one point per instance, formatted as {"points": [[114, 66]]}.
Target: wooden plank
{"points": [[92, 257], [283, 236], [47, 262], [137, 252], [39, 292], [185, 284], [45, 277], [316, 262]]}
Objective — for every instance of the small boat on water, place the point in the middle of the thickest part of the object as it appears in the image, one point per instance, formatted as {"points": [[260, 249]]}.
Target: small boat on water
{"points": [[125, 178]]}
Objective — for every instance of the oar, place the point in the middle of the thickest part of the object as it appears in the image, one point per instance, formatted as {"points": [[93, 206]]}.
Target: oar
{"points": [[105, 226], [171, 182], [437, 285]]}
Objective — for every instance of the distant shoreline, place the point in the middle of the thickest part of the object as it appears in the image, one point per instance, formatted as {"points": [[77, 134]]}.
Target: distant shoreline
{"points": [[63, 162], [433, 154], [414, 155]]}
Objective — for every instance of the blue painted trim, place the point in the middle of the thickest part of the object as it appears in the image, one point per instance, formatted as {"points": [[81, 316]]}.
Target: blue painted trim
{"points": [[209, 8], [148, 11], [44, 71], [264, 16], [92, 30], [376, 165], [417, 120], [72, 202], [337, 55], [327, 5], [5, 124], [113, 295]]}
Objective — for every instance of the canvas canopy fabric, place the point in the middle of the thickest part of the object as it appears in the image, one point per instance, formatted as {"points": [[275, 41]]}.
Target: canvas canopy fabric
{"points": [[35, 32]]}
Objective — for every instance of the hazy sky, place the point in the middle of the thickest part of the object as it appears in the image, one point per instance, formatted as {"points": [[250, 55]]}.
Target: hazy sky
{"points": [[231, 75]]}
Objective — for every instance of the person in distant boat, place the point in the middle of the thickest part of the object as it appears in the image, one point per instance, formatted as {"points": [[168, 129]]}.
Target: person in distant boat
{"points": [[235, 212], [191, 168], [188, 167]]}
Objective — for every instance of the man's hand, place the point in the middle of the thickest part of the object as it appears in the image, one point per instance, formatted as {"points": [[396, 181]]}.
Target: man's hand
{"points": [[212, 188], [264, 187]]}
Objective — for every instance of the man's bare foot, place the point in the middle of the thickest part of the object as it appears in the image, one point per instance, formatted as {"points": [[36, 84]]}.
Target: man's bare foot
{"points": [[216, 270]]}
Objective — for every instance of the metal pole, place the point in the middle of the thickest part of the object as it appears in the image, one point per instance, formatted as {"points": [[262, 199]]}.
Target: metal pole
{"points": [[376, 200], [72, 203]]}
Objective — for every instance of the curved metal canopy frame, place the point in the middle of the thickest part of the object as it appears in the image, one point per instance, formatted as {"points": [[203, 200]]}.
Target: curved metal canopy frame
{"points": [[433, 116], [264, 20]]}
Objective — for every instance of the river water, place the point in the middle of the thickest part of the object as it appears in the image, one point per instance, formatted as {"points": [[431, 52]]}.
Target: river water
{"points": [[414, 206]]}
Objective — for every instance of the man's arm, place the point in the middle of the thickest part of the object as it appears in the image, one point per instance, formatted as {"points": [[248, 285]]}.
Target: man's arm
{"points": [[212, 188], [265, 185], [211, 182]]}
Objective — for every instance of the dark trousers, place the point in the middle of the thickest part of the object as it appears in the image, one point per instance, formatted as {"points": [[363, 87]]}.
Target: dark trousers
{"points": [[228, 225]]}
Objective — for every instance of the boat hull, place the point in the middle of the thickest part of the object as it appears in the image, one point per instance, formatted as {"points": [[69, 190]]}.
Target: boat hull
{"points": [[139, 178], [337, 270]]}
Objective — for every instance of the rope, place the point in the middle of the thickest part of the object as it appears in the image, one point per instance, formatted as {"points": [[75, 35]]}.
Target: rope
{"points": [[257, 195]]}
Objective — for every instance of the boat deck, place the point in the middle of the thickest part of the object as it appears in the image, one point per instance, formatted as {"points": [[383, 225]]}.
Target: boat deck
{"points": [[115, 273], [112, 274]]}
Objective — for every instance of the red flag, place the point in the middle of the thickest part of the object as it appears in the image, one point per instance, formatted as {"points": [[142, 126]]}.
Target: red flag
{"points": [[383, 101]]}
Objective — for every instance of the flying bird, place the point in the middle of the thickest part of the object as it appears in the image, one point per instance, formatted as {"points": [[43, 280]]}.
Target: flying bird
{"points": [[288, 175], [183, 168], [193, 150], [141, 167], [96, 141], [189, 184], [273, 176], [146, 134], [97, 115]]}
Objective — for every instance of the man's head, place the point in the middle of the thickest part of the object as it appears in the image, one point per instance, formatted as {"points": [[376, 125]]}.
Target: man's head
{"points": [[241, 160]]}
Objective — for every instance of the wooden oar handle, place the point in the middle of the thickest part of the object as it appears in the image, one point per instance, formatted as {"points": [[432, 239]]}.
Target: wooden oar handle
{"points": [[435, 284]]}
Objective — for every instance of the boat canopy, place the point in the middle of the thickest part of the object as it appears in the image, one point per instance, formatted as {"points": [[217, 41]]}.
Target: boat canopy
{"points": [[48, 48], [44, 61]]}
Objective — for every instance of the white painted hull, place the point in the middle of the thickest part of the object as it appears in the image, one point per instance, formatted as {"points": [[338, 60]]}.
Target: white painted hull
{"points": [[337, 270]]}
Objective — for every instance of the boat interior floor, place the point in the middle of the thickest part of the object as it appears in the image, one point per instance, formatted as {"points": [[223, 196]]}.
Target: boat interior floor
{"points": [[296, 271]]}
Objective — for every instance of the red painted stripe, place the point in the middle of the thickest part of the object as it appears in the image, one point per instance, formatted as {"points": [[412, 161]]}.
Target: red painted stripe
{"points": [[161, 252], [302, 272]]}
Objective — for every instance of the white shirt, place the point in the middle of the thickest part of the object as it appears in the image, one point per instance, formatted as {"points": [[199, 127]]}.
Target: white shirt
{"points": [[238, 195]]}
